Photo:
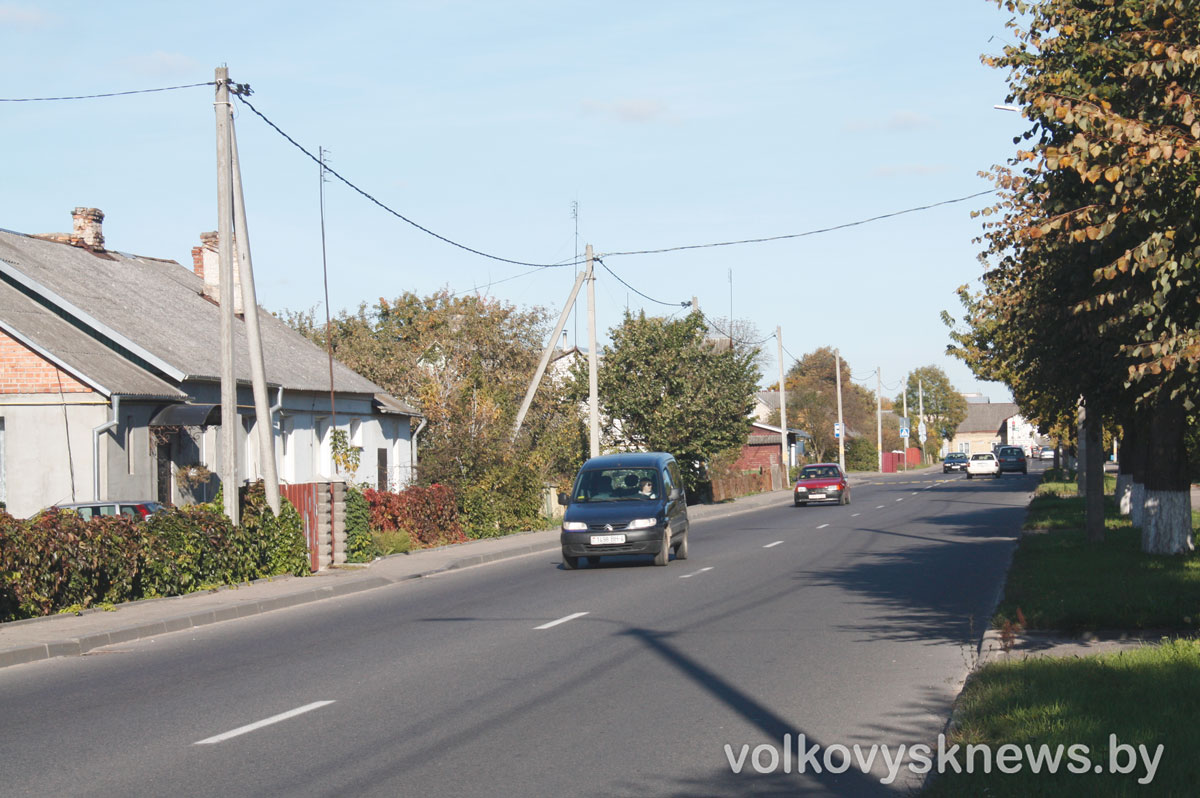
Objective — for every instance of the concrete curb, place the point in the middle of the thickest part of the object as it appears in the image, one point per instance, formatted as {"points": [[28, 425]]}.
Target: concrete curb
{"points": [[345, 584]]}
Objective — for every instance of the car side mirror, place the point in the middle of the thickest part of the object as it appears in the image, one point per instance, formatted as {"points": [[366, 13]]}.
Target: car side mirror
{"points": [[676, 494], [563, 499]]}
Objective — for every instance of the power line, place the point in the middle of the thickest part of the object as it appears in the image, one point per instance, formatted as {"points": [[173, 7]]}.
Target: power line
{"points": [[800, 235], [639, 293], [97, 96], [394, 212]]}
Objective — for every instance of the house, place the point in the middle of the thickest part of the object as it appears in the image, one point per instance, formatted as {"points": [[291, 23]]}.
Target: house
{"points": [[990, 424], [765, 403], [110, 384], [762, 448]]}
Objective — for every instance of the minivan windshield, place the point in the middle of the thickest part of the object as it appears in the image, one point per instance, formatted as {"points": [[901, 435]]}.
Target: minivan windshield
{"points": [[617, 484]]}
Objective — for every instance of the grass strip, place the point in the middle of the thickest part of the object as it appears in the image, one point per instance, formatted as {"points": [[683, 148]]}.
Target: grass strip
{"points": [[1145, 697], [1059, 581]]}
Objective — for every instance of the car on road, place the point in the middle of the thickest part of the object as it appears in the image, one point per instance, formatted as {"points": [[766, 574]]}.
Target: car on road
{"points": [[631, 503], [983, 464], [1012, 458], [821, 482], [1047, 453], [137, 509], [955, 461]]}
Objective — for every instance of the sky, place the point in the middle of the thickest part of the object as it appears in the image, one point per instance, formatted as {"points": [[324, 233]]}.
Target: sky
{"points": [[527, 130]]}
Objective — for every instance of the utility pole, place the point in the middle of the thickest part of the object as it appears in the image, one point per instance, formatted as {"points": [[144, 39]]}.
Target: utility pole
{"points": [[921, 413], [258, 377], [904, 393], [593, 377], [879, 416], [545, 361], [229, 416], [841, 426], [783, 435]]}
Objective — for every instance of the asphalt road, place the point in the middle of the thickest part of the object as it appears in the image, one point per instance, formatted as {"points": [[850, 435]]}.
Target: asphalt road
{"points": [[848, 625]]}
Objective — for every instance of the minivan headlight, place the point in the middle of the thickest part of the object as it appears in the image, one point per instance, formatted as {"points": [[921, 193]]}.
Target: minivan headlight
{"points": [[574, 526], [642, 523]]}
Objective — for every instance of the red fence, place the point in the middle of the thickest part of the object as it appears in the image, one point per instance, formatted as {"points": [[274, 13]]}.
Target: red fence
{"points": [[304, 499]]}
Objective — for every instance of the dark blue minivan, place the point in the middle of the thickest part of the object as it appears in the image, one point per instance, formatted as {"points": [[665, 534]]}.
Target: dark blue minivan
{"points": [[630, 503]]}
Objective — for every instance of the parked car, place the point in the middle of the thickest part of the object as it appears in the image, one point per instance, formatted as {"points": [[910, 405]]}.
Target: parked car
{"points": [[625, 504], [955, 461], [821, 482], [1012, 458], [983, 464], [138, 509]]}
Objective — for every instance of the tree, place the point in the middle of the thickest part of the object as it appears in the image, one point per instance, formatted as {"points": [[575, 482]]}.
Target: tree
{"points": [[812, 402], [664, 387], [1096, 247], [945, 408], [466, 362]]}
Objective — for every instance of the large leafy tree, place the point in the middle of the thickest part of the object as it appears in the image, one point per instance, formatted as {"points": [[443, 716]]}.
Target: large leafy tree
{"points": [[945, 408], [1095, 245], [466, 362], [665, 386], [812, 405]]}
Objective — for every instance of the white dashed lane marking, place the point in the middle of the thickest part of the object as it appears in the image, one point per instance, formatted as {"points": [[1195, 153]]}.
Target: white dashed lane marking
{"points": [[772, 545], [260, 724], [564, 619]]}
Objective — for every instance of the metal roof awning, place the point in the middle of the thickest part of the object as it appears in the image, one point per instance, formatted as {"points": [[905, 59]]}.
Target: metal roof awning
{"points": [[188, 415]]}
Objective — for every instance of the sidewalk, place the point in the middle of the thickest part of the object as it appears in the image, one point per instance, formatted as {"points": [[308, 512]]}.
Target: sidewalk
{"points": [[73, 635]]}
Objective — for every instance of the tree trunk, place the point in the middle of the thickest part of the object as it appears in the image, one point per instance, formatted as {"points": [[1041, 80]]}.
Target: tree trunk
{"points": [[1081, 448], [1125, 467], [1092, 444], [1167, 521], [1139, 455]]}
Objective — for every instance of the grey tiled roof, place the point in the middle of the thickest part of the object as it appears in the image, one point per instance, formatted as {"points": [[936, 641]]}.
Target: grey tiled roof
{"points": [[155, 309], [81, 355], [987, 417]]}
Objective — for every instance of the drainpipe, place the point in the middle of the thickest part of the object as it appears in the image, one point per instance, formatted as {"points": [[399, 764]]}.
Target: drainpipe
{"points": [[275, 408], [96, 433], [412, 449]]}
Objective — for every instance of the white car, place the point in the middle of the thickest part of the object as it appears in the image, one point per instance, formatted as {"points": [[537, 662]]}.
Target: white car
{"points": [[983, 464]]}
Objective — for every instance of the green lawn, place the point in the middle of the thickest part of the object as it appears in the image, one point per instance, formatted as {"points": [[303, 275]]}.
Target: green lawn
{"points": [[1145, 697], [1061, 582]]}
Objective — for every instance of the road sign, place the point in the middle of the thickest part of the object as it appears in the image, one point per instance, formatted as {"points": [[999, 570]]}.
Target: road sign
{"points": [[921, 432], [904, 432], [837, 429]]}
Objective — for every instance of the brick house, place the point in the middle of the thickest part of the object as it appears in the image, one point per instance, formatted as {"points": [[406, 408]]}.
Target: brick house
{"points": [[990, 424], [110, 383]]}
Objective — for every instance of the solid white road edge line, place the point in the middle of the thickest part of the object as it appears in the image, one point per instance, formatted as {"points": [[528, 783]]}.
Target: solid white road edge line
{"points": [[265, 722], [772, 545], [564, 619]]}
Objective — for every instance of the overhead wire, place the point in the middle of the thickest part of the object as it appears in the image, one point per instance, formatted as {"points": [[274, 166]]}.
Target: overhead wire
{"points": [[391, 210], [800, 235], [107, 94]]}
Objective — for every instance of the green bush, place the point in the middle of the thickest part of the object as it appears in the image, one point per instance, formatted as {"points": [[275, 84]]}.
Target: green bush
{"points": [[360, 545], [393, 542], [861, 455], [278, 541], [506, 499], [58, 561]]}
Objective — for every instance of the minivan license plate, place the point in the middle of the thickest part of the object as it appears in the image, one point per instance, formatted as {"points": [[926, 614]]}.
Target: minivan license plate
{"points": [[602, 540]]}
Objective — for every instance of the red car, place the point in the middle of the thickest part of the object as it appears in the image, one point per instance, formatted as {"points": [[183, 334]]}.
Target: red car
{"points": [[821, 482]]}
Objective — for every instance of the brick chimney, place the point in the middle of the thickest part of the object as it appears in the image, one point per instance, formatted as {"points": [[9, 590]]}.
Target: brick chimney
{"points": [[207, 265], [87, 231]]}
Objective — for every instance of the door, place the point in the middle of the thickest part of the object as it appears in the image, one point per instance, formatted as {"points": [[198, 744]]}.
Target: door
{"points": [[162, 455]]}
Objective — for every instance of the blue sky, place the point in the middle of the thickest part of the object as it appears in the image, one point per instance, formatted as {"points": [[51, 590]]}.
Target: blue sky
{"points": [[669, 123]]}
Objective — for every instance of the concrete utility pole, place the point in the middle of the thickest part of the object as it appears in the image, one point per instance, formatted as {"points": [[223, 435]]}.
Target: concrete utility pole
{"points": [[921, 414], [879, 416], [258, 377], [545, 361], [229, 416], [837, 355], [783, 442], [593, 378], [904, 394]]}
